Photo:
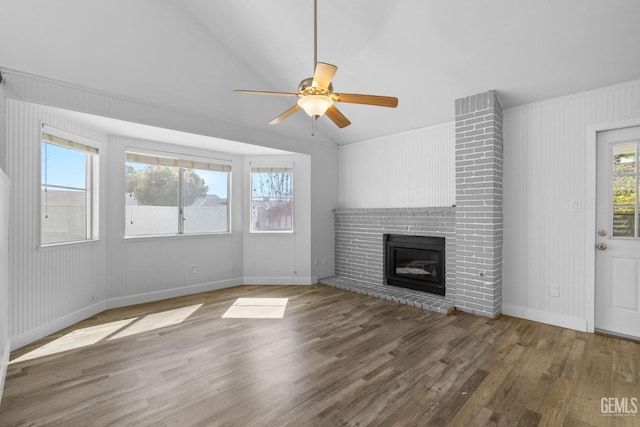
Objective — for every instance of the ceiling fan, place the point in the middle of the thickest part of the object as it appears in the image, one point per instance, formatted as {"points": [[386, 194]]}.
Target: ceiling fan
{"points": [[316, 95]]}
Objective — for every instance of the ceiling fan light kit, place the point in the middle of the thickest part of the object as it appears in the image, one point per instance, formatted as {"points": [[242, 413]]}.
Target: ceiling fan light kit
{"points": [[315, 105], [316, 96]]}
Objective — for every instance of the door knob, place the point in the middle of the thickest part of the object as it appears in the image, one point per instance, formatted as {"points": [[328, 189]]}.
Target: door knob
{"points": [[602, 246], [602, 232]]}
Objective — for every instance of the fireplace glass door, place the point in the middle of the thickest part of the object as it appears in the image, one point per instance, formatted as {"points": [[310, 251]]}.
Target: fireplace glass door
{"points": [[415, 262], [421, 265]]}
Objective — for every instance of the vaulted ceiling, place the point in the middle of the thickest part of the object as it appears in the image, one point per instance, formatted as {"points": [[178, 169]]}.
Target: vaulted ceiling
{"points": [[191, 54]]}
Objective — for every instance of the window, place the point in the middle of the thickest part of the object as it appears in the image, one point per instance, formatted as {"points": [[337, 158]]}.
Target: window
{"points": [[68, 188], [271, 199], [175, 195]]}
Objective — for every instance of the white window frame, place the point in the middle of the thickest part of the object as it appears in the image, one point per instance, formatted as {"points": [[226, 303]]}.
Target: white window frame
{"points": [[52, 135], [261, 167], [181, 161]]}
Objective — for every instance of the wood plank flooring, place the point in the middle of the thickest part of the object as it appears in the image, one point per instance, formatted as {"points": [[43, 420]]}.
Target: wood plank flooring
{"points": [[336, 359]]}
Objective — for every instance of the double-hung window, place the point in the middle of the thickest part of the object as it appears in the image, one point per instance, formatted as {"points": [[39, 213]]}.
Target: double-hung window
{"points": [[272, 198], [171, 194], [68, 188]]}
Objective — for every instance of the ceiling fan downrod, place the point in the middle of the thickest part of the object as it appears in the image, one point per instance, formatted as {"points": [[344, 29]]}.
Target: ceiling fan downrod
{"points": [[315, 94], [315, 33]]}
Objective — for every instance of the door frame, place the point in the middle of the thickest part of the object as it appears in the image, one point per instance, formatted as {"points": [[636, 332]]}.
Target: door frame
{"points": [[590, 212]]}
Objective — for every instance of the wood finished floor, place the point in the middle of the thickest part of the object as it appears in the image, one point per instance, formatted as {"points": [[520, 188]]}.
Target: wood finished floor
{"points": [[336, 358]]}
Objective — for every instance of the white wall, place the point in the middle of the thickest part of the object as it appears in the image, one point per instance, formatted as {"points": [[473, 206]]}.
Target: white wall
{"points": [[145, 269], [55, 285], [5, 346], [324, 198], [3, 142], [290, 264], [54, 288], [549, 161], [409, 170]]}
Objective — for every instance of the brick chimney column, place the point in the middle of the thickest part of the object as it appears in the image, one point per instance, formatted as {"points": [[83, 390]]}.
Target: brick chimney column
{"points": [[479, 230]]}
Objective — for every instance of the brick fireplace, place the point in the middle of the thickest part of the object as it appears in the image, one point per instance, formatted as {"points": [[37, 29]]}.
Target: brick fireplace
{"points": [[472, 229]]}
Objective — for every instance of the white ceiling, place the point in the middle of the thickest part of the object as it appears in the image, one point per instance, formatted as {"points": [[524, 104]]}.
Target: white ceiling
{"points": [[191, 54], [109, 126]]}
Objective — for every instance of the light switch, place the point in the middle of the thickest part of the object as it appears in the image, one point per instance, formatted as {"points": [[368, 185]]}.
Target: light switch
{"points": [[575, 206]]}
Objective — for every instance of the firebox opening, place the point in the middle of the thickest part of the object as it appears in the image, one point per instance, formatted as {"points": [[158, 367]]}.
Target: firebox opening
{"points": [[415, 262]]}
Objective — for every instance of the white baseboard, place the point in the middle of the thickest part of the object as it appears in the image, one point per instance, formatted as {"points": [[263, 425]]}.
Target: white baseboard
{"points": [[4, 363], [545, 317], [56, 325], [280, 280], [68, 320], [172, 293]]}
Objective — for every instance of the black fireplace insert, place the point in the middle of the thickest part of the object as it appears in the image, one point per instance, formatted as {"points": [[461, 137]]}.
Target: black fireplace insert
{"points": [[415, 262]]}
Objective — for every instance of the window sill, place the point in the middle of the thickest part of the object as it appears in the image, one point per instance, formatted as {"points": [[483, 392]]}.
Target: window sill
{"points": [[270, 233], [64, 245], [175, 236]]}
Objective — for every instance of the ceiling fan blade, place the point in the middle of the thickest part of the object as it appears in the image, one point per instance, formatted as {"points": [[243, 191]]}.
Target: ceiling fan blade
{"points": [[337, 117], [263, 92], [284, 115], [355, 98], [323, 75]]}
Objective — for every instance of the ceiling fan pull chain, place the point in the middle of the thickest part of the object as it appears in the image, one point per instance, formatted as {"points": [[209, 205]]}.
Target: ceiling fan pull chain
{"points": [[314, 123]]}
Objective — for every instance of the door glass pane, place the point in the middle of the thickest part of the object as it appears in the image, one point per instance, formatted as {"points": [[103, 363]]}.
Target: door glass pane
{"points": [[625, 190], [624, 159], [624, 206]]}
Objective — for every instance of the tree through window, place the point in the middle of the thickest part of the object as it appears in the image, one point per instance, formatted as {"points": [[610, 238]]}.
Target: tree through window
{"points": [[168, 196]]}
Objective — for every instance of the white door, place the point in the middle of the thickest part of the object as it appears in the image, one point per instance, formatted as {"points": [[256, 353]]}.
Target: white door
{"points": [[618, 232]]}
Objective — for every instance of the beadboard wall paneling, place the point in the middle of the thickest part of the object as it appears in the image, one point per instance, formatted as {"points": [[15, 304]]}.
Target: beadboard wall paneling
{"points": [[41, 90], [411, 170], [5, 317], [54, 283], [281, 258], [55, 288], [549, 163], [3, 127], [5, 342], [145, 269], [324, 194], [324, 155]]}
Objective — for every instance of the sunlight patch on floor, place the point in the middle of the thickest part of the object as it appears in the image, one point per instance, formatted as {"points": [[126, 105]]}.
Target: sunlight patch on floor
{"points": [[91, 335], [158, 320], [76, 339], [257, 308]]}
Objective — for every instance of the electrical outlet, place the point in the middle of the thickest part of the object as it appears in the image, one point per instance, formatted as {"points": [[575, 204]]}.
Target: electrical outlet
{"points": [[193, 268], [554, 290]]}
